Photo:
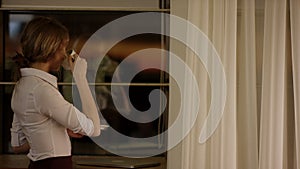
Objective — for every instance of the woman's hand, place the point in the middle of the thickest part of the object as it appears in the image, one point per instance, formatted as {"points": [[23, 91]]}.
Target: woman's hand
{"points": [[72, 58], [24, 148], [78, 66], [74, 135]]}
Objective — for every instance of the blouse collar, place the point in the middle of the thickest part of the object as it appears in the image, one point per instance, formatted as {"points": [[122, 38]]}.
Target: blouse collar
{"points": [[41, 74]]}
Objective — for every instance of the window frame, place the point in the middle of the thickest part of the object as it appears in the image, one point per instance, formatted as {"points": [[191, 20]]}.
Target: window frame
{"points": [[3, 84]]}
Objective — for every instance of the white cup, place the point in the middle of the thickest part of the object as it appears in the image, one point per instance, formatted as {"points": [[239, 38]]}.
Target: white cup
{"points": [[70, 53]]}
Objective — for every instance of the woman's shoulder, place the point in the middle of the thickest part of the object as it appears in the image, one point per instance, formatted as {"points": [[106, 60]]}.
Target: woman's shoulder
{"points": [[35, 85]]}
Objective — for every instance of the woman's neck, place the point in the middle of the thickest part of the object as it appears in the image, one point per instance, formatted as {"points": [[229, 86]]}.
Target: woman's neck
{"points": [[41, 66]]}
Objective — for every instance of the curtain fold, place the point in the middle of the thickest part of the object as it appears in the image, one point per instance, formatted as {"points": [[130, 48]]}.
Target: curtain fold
{"points": [[217, 19], [247, 129], [274, 86]]}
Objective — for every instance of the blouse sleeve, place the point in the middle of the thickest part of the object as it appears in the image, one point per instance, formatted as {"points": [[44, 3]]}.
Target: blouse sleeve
{"points": [[50, 102], [17, 136]]}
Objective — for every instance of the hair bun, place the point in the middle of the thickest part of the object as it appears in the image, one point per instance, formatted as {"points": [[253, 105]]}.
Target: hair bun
{"points": [[20, 60]]}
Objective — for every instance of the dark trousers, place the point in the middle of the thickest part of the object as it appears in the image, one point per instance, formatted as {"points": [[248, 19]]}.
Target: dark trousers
{"points": [[52, 163]]}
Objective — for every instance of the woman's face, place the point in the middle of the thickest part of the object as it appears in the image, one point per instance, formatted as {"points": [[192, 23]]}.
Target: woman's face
{"points": [[59, 56]]}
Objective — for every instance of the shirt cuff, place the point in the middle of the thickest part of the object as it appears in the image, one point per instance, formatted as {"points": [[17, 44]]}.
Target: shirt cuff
{"points": [[17, 139], [85, 123]]}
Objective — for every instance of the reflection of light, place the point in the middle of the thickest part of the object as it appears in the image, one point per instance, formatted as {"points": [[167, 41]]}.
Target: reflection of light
{"points": [[20, 17], [15, 23], [14, 29], [150, 58]]}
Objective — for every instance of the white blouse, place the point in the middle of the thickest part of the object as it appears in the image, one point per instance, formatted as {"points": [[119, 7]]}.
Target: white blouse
{"points": [[41, 116]]}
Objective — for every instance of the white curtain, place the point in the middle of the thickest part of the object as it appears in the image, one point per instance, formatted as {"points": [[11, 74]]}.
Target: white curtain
{"points": [[259, 45]]}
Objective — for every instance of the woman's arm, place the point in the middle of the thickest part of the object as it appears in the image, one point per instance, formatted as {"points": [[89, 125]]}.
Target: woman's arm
{"points": [[50, 102], [18, 140], [89, 107]]}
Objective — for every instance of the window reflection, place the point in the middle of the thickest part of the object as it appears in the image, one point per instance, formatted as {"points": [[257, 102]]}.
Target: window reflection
{"points": [[81, 26]]}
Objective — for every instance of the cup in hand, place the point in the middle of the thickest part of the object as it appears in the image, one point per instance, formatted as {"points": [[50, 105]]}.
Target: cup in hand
{"points": [[71, 53]]}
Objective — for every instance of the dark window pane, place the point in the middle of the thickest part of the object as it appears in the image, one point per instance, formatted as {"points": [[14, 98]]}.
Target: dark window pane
{"points": [[81, 26]]}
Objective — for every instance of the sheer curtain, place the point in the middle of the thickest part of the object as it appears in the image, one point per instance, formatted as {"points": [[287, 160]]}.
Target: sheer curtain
{"points": [[259, 45]]}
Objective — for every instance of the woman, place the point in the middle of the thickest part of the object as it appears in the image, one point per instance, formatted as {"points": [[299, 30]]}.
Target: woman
{"points": [[42, 117]]}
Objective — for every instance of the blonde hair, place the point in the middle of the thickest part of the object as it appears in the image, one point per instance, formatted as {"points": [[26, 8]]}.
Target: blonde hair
{"points": [[41, 38]]}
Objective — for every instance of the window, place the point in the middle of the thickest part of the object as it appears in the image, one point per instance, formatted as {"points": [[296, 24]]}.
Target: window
{"points": [[82, 25]]}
